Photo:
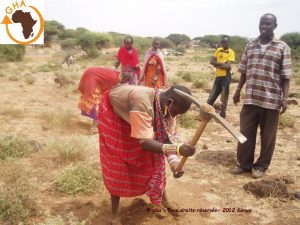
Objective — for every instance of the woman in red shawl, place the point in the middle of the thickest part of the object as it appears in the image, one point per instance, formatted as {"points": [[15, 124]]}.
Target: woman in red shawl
{"points": [[154, 71], [128, 57], [94, 82], [135, 142]]}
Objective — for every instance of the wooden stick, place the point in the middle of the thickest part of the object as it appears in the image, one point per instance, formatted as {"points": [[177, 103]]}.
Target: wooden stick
{"points": [[194, 141]]}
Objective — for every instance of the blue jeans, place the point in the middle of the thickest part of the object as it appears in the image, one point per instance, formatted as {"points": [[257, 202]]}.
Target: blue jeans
{"points": [[221, 85]]}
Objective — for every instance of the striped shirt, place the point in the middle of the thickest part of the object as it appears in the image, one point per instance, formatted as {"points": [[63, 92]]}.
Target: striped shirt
{"points": [[265, 70]]}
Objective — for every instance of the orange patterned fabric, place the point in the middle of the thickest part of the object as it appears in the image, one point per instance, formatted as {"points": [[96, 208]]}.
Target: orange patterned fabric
{"points": [[154, 68], [86, 104]]}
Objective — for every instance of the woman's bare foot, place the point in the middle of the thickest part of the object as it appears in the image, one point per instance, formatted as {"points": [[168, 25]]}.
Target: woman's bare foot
{"points": [[116, 221]]}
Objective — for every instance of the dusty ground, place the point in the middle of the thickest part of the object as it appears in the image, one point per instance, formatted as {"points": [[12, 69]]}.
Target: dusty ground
{"points": [[206, 184]]}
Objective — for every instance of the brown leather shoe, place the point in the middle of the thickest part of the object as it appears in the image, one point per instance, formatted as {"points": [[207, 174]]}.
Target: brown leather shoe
{"points": [[239, 170]]}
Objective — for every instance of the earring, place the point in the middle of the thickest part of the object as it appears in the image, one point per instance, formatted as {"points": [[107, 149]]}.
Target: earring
{"points": [[165, 110]]}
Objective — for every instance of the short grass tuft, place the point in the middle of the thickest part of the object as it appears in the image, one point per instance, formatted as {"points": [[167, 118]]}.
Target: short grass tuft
{"points": [[287, 120], [30, 80], [78, 179], [187, 120], [14, 147], [16, 205], [68, 149], [60, 119]]}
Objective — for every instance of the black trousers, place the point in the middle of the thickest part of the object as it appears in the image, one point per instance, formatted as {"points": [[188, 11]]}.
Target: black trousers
{"points": [[251, 117], [221, 85]]}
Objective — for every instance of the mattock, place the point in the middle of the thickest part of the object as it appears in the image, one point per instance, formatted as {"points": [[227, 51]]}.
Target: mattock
{"points": [[206, 113]]}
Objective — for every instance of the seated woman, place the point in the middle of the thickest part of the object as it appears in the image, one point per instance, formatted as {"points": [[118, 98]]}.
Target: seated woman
{"points": [[94, 82], [154, 72]]}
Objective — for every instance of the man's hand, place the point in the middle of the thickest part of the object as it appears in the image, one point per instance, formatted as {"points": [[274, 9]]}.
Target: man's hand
{"points": [[283, 105], [187, 150], [237, 96]]}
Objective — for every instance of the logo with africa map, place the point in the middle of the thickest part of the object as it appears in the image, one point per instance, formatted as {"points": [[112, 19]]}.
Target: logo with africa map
{"points": [[21, 22]]}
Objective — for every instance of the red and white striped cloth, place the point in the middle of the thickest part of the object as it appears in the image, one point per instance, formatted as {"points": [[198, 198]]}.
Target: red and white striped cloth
{"points": [[127, 169]]}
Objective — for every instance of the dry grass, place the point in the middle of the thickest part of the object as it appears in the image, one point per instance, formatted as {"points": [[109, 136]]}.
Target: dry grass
{"points": [[12, 112], [30, 79], [71, 220], [14, 78], [187, 120], [16, 205], [68, 150], [59, 119], [14, 147], [174, 80], [78, 179], [201, 83], [287, 120]]}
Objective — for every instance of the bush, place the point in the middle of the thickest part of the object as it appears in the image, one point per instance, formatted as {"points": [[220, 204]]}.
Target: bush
{"points": [[14, 147], [287, 120], [11, 53], [181, 48], [78, 179]]}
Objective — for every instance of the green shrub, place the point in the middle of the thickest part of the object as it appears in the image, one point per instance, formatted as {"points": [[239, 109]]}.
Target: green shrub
{"points": [[14, 147], [181, 48], [78, 179], [11, 53], [287, 120]]}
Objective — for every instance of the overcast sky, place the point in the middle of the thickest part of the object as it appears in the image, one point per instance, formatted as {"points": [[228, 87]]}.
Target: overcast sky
{"points": [[163, 17]]}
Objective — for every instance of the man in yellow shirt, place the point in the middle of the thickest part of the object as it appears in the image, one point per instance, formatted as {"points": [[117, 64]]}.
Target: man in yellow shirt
{"points": [[222, 60]]}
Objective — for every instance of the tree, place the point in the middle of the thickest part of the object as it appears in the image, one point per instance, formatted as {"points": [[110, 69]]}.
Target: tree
{"points": [[51, 29], [11, 53], [211, 40], [237, 43], [293, 41], [178, 39], [67, 33], [165, 43], [68, 44]]}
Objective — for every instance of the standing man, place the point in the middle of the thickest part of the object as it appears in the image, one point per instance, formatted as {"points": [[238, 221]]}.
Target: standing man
{"points": [[128, 57], [266, 68], [222, 60]]}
